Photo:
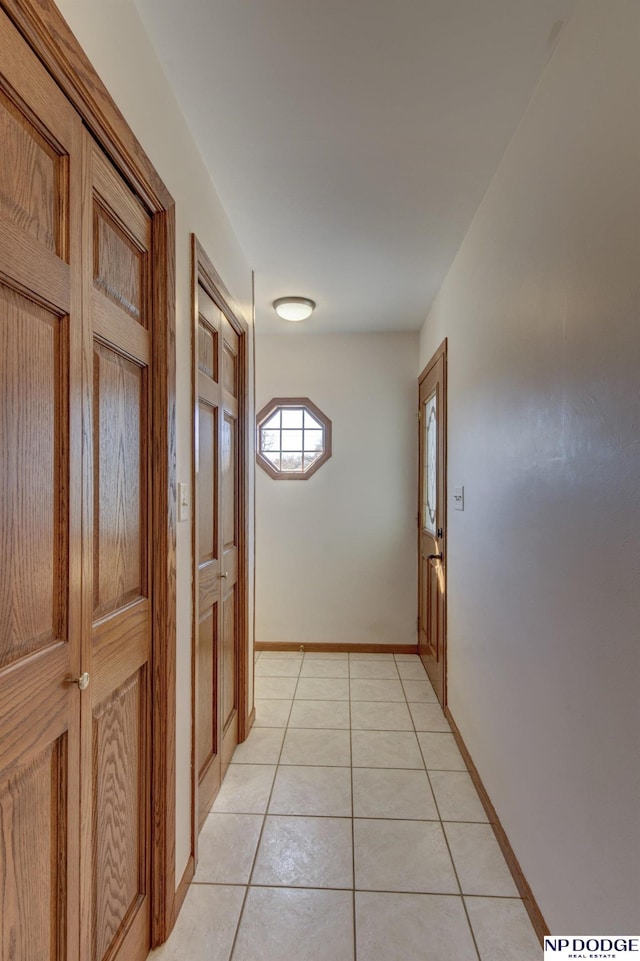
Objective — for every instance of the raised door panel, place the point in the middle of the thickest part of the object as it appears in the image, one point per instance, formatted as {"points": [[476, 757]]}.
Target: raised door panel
{"points": [[33, 477], [207, 652], [119, 816], [31, 177], [229, 658], [119, 266], [33, 863], [41, 333], [119, 481], [207, 493]]}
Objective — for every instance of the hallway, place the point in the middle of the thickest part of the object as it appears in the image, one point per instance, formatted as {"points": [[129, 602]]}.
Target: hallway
{"points": [[352, 762]]}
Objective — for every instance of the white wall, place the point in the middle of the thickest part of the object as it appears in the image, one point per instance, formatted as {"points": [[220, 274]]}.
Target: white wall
{"points": [[541, 311], [336, 554], [115, 41]]}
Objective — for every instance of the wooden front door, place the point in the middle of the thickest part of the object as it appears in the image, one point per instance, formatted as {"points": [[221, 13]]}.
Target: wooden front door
{"points": [[432, 519], [75, 620], [218, 578], [116, 753]]}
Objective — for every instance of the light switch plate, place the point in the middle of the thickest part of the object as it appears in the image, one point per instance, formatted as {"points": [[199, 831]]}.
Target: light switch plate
{"points": [[183, 502], [458, 498]]}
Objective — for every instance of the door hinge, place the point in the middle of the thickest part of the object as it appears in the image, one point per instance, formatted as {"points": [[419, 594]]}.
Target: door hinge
{"points": [[418, 623], [419, 414], [418, 519]]}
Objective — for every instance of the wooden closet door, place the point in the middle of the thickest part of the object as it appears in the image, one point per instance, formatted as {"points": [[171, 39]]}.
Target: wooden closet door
{"points": [[230, 503], [40, 509], [218, 568], [207, 551], [116, 708]]}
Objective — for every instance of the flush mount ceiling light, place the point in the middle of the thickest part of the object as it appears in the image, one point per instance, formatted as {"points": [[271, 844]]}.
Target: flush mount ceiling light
{"points": [[294, 308]]}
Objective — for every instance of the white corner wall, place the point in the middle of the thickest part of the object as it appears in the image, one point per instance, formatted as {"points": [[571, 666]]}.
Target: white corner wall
{"points": [[114, 39], [336, 554], [541, 308]]}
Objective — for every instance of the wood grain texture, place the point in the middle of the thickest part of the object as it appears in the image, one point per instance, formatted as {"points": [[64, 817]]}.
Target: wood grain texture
{"points": [[29, 178], [230, 366], [46, 280], [530, 903], [119, 267], [119, 821], [117, 761], [33, 858], [120, 481], [206, 701], [342, 648], [229, 480], [41, 329], [207, 483], [229, 658], [33, 469], [207, 349], [42, 23], [163, 524], [219, 513]]}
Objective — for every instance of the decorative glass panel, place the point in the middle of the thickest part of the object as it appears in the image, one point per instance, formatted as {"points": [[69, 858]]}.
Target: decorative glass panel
{"points": [[429, 504]]}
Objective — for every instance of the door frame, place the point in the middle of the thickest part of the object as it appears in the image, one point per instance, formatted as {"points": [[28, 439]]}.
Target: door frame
{"points": [[43, 27], [203, 272], [441, 352]]}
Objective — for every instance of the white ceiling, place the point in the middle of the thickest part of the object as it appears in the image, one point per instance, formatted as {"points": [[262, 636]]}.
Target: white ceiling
{"points": [[351, 141]]}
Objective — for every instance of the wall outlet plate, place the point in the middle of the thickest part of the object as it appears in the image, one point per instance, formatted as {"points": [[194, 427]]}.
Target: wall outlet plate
{"points": [[458, 498]]}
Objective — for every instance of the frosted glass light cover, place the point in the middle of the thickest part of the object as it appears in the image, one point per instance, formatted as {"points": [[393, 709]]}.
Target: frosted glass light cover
{"points": [[294, 308]]}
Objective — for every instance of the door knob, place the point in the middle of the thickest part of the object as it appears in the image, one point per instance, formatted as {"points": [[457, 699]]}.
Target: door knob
{"points": [[436, 557], [226, 574], [82, 681]]}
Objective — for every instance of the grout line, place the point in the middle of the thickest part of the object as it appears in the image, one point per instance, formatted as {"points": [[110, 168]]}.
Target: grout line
{"points": [[353, 823], [264, 821], [446, 841], [308, 887]]}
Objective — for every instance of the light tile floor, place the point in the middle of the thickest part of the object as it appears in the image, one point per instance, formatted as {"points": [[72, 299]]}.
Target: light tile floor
{"points": [[348, 829]]}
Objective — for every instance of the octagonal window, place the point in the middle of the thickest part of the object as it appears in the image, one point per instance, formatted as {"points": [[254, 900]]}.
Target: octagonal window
{"points": [[294, 438]]}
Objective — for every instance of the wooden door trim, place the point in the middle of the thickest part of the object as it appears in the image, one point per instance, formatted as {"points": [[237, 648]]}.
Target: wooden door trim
{"points": [[203, 272], [49, 36], [440, 353]]}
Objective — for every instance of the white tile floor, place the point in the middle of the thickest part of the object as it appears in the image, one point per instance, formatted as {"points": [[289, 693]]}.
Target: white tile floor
{"points": [[348, 829]]}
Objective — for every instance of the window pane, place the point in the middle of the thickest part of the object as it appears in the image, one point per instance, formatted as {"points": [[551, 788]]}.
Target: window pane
{"points": [[273, 457], [310, 457], [313, 440], [292, 440], [430, 465], [310, 422], [274, 421], [292, 418], [270, 440], [291, 461]]}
